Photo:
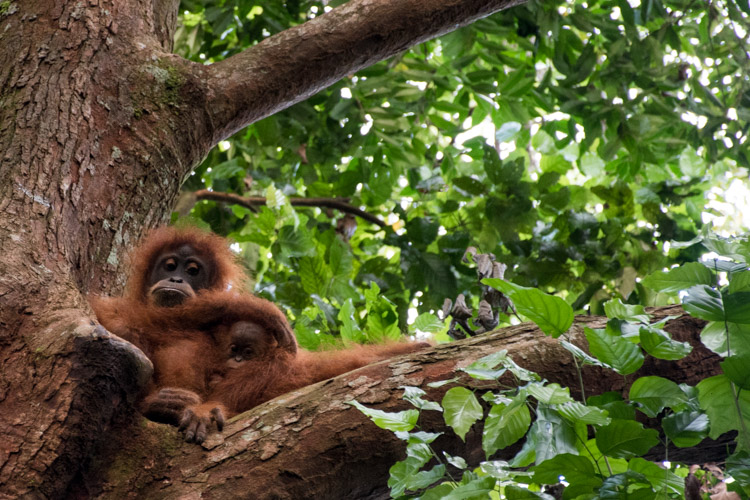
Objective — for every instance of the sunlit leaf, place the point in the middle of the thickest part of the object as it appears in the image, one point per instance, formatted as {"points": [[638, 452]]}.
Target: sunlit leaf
{"points": [[461, 410], [680, 278]]}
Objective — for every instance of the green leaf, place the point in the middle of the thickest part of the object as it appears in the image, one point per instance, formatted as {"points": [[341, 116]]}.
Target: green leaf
{"points": [[392, 421], [414, 396], [484, 368], [704, 302], [507, 131], [419, 437], [549, 393], [707, 303], [625, 439], [505, 425], [314, 275], [659, 344], [404, 472], [350, 330], [579, 473], [737, 369], [461, 409], [428, 323], [738, 465], [691, 164], [550, 313], [295, 243], [739, 282], [340, 259], [227, 169], [714, 337], [622, 355], [661, 479], [580, 355], [656, 393], [686, 428], [513, 492], [404, 476], [477, 488], [680, 278], [469, 185], [717, 399], [275, 199], [580, 413], [618, 486], [552, 435], [616, 309], [737, 307]]}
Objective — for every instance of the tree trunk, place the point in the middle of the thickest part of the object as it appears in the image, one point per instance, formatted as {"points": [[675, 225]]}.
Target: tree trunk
{"points": [[99, 126], [311, 444]]}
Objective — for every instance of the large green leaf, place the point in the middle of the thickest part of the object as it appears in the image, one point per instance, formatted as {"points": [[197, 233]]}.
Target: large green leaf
{"points": [[660, 344], [723, 404], [707, 303], [392, 421], [505, 424], [617, 352], [680, 278], [576, 412], [461, 410], [716, 337], [653, 394], [737, 369], [625, 439], [704, 302], [662, 480], [634, 313], [550, 313], [686, 428], [578, 471], [350, 330]]}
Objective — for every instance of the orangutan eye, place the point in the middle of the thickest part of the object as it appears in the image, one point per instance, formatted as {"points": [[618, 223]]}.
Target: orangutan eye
{"points": [[170, 265], [193, 269]]}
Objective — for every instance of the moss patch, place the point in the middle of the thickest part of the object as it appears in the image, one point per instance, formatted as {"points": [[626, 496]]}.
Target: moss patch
{"points": [[156, 86], [7, 8]]}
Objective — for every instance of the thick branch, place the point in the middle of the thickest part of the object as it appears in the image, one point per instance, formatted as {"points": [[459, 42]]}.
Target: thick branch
{"points": [[340, 204], [311, 444], [295, 64]]}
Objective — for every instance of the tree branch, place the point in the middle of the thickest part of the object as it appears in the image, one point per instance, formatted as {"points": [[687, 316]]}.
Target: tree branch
{"points": [[340, 204], [311, 444], [298, 62]]}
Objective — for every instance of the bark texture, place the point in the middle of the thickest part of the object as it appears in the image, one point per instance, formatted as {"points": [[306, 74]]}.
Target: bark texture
{"points": [[311, 444], [99, 126]]}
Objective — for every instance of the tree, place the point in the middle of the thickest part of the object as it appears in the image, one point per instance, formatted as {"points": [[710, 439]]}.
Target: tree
{"points": [[100, 124]]}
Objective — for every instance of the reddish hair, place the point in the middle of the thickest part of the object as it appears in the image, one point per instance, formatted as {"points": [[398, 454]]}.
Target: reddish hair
{"points": [[225, 267]]}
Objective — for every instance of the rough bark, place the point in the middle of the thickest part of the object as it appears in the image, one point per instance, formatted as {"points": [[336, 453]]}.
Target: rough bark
{"points": [[311, 444], [99, 125]]}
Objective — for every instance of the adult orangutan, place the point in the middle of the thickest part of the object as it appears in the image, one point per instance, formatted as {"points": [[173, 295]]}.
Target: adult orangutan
{"points": [[217, 350]]}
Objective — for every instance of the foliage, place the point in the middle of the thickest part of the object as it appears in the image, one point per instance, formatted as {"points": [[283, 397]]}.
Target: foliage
{"points": [[595, 449], [577, 141]]}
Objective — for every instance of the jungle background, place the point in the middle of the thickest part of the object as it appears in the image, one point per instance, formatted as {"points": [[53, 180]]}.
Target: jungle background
{"points": [[596, 149], [585, 145]]}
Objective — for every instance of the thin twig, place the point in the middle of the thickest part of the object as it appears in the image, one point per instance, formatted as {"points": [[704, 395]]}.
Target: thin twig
{"points": [[340, 204]]}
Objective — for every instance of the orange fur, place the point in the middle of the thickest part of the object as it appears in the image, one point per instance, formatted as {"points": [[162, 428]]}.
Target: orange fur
{"points": [[188, 343], [260, 380]]}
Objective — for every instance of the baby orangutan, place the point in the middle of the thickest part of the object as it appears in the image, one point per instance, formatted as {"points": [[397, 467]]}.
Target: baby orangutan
{"points": [[255, 371]]}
